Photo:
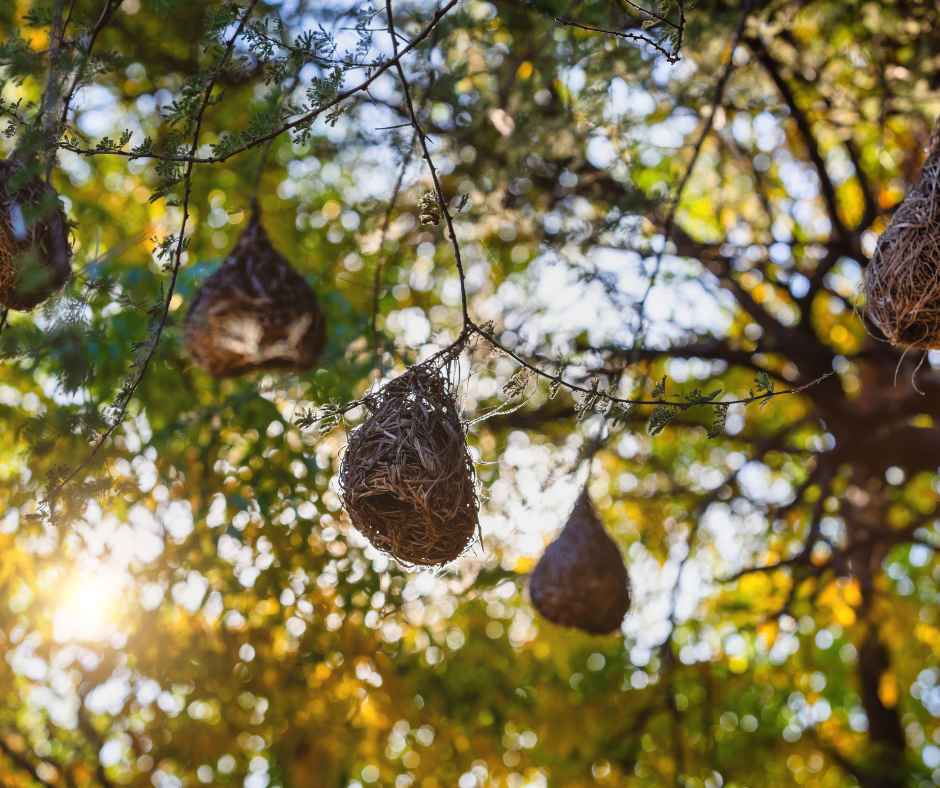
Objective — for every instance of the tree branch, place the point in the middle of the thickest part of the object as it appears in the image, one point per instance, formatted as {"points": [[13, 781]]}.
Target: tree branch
{"points": [[805, 128], [304, 119], [128, 392], [438, 189], [884, 723], [670, 223], [108, 11], [709, 350]]}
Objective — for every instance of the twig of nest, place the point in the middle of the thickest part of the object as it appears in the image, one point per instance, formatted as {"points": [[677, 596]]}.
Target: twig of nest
{"points": [[407, 478], [902, 282], [581, 581], [35, 256], [256, 312]]}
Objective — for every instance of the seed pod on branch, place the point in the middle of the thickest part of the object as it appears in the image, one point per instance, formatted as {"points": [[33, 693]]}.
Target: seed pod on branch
{"points": [[35, 256], [255, 312], [407, 478], [581, 580], [902, 281]]}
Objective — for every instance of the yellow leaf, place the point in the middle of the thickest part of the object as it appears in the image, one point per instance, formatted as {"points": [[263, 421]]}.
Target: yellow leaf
{"points": [[851, 593], [888, 690], [844, 615], [769, 632]]}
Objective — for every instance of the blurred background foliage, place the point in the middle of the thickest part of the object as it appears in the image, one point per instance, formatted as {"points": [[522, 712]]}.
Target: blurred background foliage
{"points": [[196, 611]]}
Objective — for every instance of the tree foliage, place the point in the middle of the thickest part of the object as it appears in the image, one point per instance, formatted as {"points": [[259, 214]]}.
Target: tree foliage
{"points": [[649, 223]]}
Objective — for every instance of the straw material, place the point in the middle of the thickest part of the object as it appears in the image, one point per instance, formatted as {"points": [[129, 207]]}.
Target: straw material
{"points": [[255, 312], [902, 282], [35, 256], [581, 580], [407, 478]]}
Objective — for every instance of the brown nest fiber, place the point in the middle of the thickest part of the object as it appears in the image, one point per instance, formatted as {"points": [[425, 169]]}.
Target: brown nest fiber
{"points": [[581, 580], [407, 479], [255, 312], [902, 282], [35, 256]]}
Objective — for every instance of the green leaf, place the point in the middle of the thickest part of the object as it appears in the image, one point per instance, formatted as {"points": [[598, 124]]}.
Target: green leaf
{"points": [[661, 417], [763, 382], [719, 417]]}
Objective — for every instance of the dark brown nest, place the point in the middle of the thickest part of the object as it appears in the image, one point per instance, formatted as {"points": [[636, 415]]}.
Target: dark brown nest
{"points": [[407, 479], [581, 580], [255, 312], [902, 282], [35, 256]]}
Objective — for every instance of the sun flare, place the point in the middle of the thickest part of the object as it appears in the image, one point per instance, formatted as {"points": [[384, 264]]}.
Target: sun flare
{"points": [[91, 605]]}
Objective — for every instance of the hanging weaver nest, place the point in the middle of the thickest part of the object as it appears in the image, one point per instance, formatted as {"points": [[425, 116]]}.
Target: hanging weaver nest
{"points": [[407, 479], [902, 282], [581, 580], [35, 256], [255, 312]]}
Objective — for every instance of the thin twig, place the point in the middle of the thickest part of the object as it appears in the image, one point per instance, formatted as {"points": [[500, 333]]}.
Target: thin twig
{"points": [[559, 379], [128, 394], [671, 56], [671, 216], [53, 90], [304, 119], [107, 11], [386, 222], [654, 15], [438, 189], [266, 149]]}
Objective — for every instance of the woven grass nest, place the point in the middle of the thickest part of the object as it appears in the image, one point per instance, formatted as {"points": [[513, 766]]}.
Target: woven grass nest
{"points": [[35, 256], [255, 312], [581, 581], [407, 478], [902, 282]]}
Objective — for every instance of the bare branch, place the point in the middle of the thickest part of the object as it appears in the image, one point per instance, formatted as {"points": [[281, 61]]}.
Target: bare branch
{"points": [[671, 55], [670, 223], [438, 189], [805, 128]]}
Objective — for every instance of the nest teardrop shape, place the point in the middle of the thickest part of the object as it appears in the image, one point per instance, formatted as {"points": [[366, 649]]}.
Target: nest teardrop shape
{"points": [[35, 256], [407, 478], [255, 312], [902, 281], [581, 581]]}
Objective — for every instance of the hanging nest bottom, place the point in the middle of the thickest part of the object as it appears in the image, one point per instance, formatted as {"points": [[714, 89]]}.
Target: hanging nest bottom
{"points": [[35, 256], [407, 478], [581, 580], [256, 312], [902, 281]]}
